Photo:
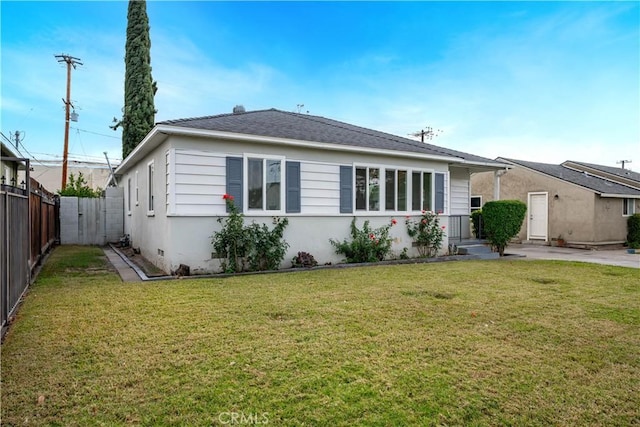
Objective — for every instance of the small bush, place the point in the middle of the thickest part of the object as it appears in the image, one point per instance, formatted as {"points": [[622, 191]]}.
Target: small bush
{"points": [[79, 188], [367, 245], [478, 226], [502, 221], [633, 229], [255, 245], [232, 241], [426, 233], [267, 249], [303, 259]]}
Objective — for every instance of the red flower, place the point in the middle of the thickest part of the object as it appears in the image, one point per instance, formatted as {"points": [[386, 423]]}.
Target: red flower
{"points": [[424, 221], [444, 226], [227, 197], [408, 217], [393, 221], [372, 236]]}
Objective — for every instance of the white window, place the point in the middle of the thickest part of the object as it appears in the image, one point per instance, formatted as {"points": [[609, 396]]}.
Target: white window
{"points": [[150, 188], [367, 189], [628, 207], [395, 191], [129, 196], [264, 189], [476, 203], [137, 193], [421, 191]]}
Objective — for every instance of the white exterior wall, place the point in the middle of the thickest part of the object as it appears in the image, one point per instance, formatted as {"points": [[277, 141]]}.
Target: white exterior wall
{"points": [[189, 181], [459, 191]]}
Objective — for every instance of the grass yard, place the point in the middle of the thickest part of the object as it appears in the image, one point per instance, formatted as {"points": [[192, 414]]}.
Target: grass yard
{"points": [[458, 343]]}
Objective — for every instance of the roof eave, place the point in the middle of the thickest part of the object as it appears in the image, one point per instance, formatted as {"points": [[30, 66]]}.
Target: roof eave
{"points": [[620, 196], [167, 130], [233, 136]]}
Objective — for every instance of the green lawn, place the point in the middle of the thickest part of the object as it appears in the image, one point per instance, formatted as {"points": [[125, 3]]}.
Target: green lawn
{"points": [[457, 343]]}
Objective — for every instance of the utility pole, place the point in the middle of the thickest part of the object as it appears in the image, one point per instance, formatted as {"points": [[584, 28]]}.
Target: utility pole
{"points": [[71, 62], [16, 138], [623, 162]]}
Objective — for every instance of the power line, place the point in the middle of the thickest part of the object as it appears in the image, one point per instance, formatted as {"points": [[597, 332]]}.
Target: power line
{"points": [[96, 133]]}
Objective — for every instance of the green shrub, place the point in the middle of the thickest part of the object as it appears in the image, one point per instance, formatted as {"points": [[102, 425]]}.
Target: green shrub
{"points": [[79, 188], [255, 245], [426, 233], [303, 259], [232, 241], [633, 229], [502, 221], [267, 248], [367, 245], [478, 224]]}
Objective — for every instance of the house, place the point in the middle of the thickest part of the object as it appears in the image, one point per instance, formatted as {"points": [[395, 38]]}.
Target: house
{"points": [[10, 164], [318, 172], [584, 204], [49, 173]]}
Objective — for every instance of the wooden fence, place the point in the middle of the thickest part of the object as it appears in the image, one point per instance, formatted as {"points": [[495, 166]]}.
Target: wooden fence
{"points": [[29, 228]]}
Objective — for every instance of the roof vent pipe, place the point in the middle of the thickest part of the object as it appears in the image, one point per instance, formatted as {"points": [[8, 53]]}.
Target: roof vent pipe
{"points": [[239, 109]]}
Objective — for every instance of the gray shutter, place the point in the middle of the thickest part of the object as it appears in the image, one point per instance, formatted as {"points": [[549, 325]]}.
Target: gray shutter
{"points": [[234, 180], [346, 189], [439, 193], [292, 193]]}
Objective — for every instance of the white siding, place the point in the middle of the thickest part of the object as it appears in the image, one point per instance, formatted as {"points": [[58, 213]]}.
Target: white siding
{"points": [[459, 192], [319, 188], [199, 183]]}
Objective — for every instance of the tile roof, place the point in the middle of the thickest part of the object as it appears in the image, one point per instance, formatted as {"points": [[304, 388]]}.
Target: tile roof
{"points": [[583, 179], [304, 127]]}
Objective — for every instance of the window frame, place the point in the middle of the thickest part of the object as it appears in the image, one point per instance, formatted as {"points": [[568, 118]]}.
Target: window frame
{"points": [[150, 188], [281, 193], [396, 189], [382, 179], [471, 207], [137, 189], [129, 195], [628, 207], [421, 190]]}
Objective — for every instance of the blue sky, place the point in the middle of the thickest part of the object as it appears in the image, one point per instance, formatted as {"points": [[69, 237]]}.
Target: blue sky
{"points": [[539, 81]]}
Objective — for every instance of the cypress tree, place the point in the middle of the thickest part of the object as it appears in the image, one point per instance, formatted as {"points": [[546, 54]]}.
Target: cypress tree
{"points": [[139, 88]]}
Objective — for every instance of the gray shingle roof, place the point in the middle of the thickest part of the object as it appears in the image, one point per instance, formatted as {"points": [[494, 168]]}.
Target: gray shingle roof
{"points": [[595, 183], [623, 173], [304, 127]]}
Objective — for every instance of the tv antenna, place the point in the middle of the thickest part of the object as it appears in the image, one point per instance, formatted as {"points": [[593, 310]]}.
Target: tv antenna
{"points": [[427, 133], [623, 162]]}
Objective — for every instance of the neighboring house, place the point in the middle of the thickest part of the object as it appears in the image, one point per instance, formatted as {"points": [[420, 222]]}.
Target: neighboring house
{"points": [[584, 204], [317, 172], [10, 164], [49, 173]]}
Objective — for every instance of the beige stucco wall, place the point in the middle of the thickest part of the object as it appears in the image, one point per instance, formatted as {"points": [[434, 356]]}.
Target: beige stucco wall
{"points": [[578, 214], [50, 174]]}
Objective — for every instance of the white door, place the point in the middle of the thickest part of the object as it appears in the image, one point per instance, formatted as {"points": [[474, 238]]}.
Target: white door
{"points": [[538, 217]]}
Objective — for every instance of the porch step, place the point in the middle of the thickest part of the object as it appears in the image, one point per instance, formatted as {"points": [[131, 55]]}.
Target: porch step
{"points": [[478, 250]]}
